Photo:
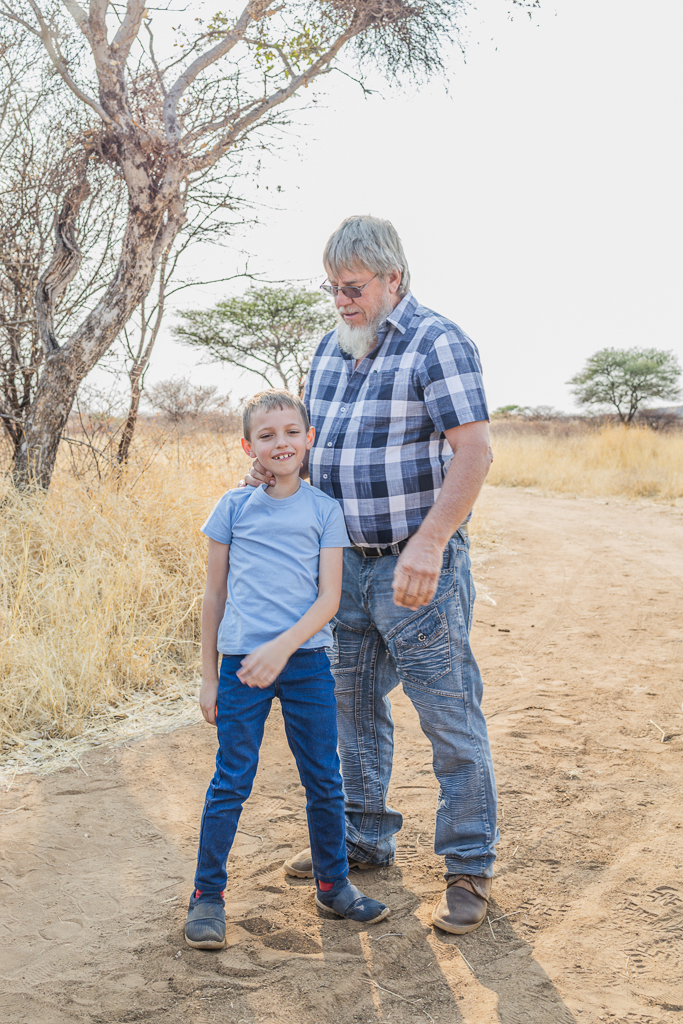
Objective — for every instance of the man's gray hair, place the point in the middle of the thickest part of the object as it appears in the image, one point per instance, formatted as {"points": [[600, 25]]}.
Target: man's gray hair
{"points": [[367, 242]]}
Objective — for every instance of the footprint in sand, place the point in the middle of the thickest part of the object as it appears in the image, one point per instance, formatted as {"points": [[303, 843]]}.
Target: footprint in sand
{"points": [[61, 931], [286, 939]]}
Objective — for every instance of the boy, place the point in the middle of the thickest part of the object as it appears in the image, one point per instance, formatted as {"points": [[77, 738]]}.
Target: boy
{"points": [[283, 548]]}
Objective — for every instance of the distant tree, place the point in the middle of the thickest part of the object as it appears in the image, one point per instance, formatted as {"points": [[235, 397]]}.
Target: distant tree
{"points": [[624, 378], [177, 399], [270, 331], [526, 412], [662, 419], [541, 412], [505, 411]]}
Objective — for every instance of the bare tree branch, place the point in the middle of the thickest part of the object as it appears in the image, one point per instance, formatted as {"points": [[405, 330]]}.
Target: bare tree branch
{"points": [[49, 43], [128, 30], [155, 63], [202, 62], [269, 102], [63, 265], [78, 15]]}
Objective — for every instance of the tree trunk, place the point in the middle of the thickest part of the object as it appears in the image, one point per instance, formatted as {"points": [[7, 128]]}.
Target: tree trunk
{"points": [[35, 456], [141, 362], [148, 233], [131, 418]]}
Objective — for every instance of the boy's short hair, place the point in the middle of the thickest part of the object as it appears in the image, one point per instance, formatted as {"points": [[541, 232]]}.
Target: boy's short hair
{"points": [[273, 398]]}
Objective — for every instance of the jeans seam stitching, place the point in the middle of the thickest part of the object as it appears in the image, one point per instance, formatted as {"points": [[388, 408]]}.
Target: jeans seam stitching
{"points": [[357, 711]]}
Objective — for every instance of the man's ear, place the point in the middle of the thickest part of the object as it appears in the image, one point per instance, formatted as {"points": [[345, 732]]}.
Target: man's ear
{"points": [[310, 438], [247, 448], [394, 281]]}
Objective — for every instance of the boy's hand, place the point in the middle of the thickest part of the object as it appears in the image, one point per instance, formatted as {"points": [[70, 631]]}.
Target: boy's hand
{"points": [[208, 695], [264, 665]]}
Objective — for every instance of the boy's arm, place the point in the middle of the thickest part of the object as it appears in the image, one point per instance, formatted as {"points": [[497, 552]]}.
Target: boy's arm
{"points": [[266, 663], [213, 611]]}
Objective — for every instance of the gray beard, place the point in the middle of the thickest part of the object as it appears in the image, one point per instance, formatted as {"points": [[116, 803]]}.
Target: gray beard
{"points": [[358, 341]]}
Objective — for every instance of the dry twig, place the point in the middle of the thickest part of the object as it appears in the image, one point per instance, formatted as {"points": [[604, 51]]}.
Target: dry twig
{"points": [[510, 914], [465, 959]]}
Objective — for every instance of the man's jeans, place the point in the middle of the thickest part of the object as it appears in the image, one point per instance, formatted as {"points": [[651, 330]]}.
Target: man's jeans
{"points": [[306, 691], [376, 645]]}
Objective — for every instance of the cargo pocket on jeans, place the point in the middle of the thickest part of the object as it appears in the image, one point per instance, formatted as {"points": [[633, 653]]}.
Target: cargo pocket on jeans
{"points": [[423, 650]]}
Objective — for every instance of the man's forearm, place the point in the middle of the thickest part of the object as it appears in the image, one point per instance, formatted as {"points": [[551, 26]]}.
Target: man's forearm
{"points": [[462, 484]]}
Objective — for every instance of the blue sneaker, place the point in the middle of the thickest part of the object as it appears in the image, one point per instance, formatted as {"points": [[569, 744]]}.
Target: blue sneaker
{"points": [[347, 901], [205, 924]]}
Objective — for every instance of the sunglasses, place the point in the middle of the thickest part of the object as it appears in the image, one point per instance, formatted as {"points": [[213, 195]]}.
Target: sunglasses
{"points": [[349, 290]]}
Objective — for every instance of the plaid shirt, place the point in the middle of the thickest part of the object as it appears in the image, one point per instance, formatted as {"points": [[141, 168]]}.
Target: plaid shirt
{"points": [[379, 445]]}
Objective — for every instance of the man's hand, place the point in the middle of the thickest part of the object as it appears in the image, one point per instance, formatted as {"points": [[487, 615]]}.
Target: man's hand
{"points": [[257, 475], [264, 665], [417, 571], [208, 694]]}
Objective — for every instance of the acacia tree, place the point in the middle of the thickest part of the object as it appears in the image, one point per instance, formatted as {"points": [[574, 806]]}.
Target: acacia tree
{"points": [[270, 331], [41, 195], [622, 379], [179, 400], [164, 124]]}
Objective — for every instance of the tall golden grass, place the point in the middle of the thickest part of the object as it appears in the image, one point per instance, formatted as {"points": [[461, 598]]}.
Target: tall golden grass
{"points": [[632, 462], [101, 582], [101, 585]]}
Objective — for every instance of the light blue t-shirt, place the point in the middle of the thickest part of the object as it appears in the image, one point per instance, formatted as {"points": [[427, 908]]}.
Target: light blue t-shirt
{"points": [[274, 554]]}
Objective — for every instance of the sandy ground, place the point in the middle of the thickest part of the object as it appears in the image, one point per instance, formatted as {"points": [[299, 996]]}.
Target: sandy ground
{"points": [[581, 653]]}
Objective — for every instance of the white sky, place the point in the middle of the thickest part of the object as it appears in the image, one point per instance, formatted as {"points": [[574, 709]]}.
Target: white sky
{"points": [[539, 201]]}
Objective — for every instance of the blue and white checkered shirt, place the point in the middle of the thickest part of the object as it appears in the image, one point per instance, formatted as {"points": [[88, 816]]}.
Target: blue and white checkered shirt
{"points": [[379, 444]]}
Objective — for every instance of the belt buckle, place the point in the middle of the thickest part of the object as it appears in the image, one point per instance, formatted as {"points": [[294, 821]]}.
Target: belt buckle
{"points": [[366, 552]]}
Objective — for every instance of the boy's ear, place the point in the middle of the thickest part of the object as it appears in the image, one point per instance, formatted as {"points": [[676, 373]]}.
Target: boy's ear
{"points": [[247, 448], [310, 437]]}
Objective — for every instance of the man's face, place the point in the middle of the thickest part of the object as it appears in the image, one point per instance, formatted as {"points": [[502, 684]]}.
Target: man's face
{"points": [[379, 295]]}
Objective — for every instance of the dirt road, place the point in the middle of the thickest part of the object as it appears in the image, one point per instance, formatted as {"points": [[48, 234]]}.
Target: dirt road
{"points": [[581, 654]]}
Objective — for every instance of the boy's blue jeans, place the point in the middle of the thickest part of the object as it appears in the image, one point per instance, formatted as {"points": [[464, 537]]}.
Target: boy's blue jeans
{"points": [[378, 645], [306, 691]]}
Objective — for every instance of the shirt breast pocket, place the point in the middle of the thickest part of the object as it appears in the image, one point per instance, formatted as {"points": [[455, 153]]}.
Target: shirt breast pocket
{"points": [[390, 386]]}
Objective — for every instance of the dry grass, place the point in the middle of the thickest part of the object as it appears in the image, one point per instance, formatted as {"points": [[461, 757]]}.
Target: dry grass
{"points": [[101, 583], [100, 589], [613, 460]]}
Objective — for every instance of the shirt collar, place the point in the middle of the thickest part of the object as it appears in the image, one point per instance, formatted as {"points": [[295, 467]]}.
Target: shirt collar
{"points": [[401, 316]]}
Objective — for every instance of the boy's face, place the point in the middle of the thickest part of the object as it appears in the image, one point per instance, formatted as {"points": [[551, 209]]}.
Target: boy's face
{"points": [[278, 440]]}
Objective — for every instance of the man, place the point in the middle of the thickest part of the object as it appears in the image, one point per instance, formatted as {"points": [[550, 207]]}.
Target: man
{"points": [[395, 394]]}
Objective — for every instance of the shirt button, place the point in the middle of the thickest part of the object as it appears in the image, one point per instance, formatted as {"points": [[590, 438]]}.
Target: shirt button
{"points": [[329, 444], [324, 476], [342, 409]]}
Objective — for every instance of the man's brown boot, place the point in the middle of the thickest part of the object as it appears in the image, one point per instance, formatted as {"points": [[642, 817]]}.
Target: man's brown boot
{"points": [[463, 906], [301, 865]]}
